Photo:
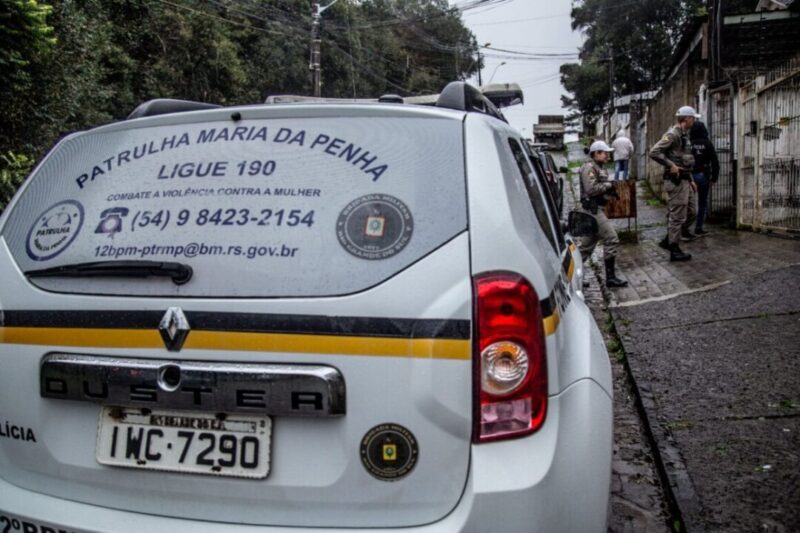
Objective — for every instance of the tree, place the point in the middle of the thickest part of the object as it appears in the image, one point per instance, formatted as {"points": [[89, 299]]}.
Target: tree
{"points": [[640, 38], [111, 55], [23, 34]]}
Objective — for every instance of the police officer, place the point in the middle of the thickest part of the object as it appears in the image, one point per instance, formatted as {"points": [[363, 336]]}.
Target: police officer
{"points": [[595, 191], [674, 153]]}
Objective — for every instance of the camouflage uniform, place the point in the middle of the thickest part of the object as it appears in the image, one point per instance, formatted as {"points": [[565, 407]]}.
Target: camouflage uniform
{"points": [[594, 186], [675, 147]]}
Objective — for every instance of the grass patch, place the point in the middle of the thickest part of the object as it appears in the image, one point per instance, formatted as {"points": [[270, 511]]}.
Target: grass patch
{"points": [[677, 425], [652, 199], [613, 345], [722, 449], [628, 236], [789, 404]]}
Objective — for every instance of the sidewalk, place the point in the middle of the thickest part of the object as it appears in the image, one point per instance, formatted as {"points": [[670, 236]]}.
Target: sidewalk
{"points": [[637, 501], [713, 346]]}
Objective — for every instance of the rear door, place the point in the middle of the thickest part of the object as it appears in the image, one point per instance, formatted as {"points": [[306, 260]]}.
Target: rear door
{"points": [[311, 369]]}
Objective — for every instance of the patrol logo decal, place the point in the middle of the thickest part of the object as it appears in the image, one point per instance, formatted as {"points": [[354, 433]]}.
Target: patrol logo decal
{"points": [[375, 226], [389, 452], [54, 230]]}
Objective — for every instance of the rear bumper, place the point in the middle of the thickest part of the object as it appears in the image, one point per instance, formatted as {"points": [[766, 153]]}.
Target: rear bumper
{"points": [[555, 480]]}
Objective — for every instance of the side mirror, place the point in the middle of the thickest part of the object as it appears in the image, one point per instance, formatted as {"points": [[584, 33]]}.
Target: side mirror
{"points": [[563, 170], [581, 224]]}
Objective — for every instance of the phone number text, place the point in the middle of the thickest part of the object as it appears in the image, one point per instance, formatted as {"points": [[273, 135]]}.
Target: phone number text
{"points": [[162, 218]]}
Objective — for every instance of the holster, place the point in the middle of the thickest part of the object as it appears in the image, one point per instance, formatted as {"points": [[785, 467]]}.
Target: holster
{"points": [[590, 204]]}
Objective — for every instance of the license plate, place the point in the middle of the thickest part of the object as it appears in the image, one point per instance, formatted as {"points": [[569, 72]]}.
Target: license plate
{"points": [[185, 441]]}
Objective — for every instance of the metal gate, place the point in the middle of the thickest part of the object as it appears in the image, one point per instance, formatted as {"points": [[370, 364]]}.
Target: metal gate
{"points": [[770, 162], [722, 197]]}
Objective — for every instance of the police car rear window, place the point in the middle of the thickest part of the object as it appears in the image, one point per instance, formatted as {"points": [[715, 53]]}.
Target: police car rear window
{"points": [[257, 208]]}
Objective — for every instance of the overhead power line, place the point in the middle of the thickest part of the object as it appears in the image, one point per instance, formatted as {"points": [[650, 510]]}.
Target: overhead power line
{"points": [[532, 54], [513, 21]]}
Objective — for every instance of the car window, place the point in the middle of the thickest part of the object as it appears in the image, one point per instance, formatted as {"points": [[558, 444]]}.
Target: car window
{"points": [[534, 192], [551, 203], [258, 208]]}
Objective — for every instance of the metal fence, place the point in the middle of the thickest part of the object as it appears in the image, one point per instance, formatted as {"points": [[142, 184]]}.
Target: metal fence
{"points": [[769, 164], [722, 196]]}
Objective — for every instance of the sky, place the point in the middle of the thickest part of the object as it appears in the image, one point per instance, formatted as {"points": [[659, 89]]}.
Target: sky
{"points": [[530, 26]]}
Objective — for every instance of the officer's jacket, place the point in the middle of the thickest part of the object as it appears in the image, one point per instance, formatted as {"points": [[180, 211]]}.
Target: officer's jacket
{"points": [[674, 147], [594, 180]]}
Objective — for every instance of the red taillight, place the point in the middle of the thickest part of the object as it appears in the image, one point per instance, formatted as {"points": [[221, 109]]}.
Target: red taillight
{"points": [[509, 360]]}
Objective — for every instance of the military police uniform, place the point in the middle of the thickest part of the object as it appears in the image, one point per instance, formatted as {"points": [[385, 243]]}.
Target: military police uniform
{"points": [[594, 187], [676, 148]]}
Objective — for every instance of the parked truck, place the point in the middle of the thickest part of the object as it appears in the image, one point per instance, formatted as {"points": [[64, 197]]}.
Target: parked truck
{"points": [[550, 130]]}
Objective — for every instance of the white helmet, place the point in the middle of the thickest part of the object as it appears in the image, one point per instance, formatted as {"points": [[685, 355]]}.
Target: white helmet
{"points": [[600, 146], [687, 111]]}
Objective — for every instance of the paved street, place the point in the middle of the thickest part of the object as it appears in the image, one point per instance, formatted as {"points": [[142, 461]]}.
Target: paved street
{"points": [[637, 498], [712, 347]]}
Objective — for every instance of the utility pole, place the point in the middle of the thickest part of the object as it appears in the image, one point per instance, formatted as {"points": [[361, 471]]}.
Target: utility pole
{"points": [[480, 64], [610, 87], [316, 43]]}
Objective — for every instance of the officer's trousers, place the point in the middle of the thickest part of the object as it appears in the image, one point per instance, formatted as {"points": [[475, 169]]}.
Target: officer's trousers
{"points": [[605, 232], [682, 207]]}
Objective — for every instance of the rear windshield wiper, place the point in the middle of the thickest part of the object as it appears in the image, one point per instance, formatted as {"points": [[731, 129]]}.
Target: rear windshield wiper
{"points": [[179, 272]]}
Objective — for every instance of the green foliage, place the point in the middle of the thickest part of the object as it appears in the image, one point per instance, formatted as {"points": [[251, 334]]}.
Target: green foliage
{"points": [[640, 38], [14, 168], [89, 62], [24, 34], [588, 83]]}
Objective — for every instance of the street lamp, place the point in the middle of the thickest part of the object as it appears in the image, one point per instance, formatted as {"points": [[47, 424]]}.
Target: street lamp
{"points": [[480, 65], [495, 71]]}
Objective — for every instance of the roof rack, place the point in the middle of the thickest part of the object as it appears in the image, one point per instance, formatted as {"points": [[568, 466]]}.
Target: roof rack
{"points": [[464, 97], [457, 95], [298, 99], [163, 106], [503, 94]]}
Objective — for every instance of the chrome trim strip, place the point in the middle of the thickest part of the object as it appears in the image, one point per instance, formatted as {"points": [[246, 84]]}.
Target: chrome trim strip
{"points": [[272, 389]]}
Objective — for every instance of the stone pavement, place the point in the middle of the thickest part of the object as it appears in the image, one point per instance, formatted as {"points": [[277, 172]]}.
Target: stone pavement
{"points": [[712, 346], [637, 502]]}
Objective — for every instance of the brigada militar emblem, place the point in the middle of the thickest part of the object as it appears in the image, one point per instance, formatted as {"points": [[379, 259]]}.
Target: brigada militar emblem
{"points": [[375, 226]]}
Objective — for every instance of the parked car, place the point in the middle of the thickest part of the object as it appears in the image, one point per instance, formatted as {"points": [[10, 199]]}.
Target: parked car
{"points": [[298, 317], [553, 173]]}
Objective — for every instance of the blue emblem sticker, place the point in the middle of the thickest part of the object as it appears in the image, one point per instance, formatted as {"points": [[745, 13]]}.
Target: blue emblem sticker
{"points": [[54, 230]]}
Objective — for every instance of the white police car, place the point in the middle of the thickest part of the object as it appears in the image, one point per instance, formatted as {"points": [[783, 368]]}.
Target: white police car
{"points": [[280, 317]]}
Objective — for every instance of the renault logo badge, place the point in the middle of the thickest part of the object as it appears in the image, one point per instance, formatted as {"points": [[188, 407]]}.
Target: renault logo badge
{"points": [[174, 329]]}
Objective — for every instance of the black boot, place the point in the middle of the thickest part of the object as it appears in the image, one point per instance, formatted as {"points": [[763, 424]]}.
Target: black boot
{"points": [[676, 254], [612, 281], [687, 235], [664, 243]]}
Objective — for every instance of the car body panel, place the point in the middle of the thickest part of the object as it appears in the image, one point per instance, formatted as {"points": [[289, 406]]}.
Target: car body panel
{"points": [[554, 479], [526, 485]]}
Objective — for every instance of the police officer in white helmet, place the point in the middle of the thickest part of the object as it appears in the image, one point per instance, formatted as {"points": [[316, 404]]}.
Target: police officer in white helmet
{"points": [[674, 153], [595, 192]]}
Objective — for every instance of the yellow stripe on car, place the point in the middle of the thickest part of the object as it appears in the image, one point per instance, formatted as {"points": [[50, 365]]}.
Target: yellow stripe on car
{"points": [[224, 340]]}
